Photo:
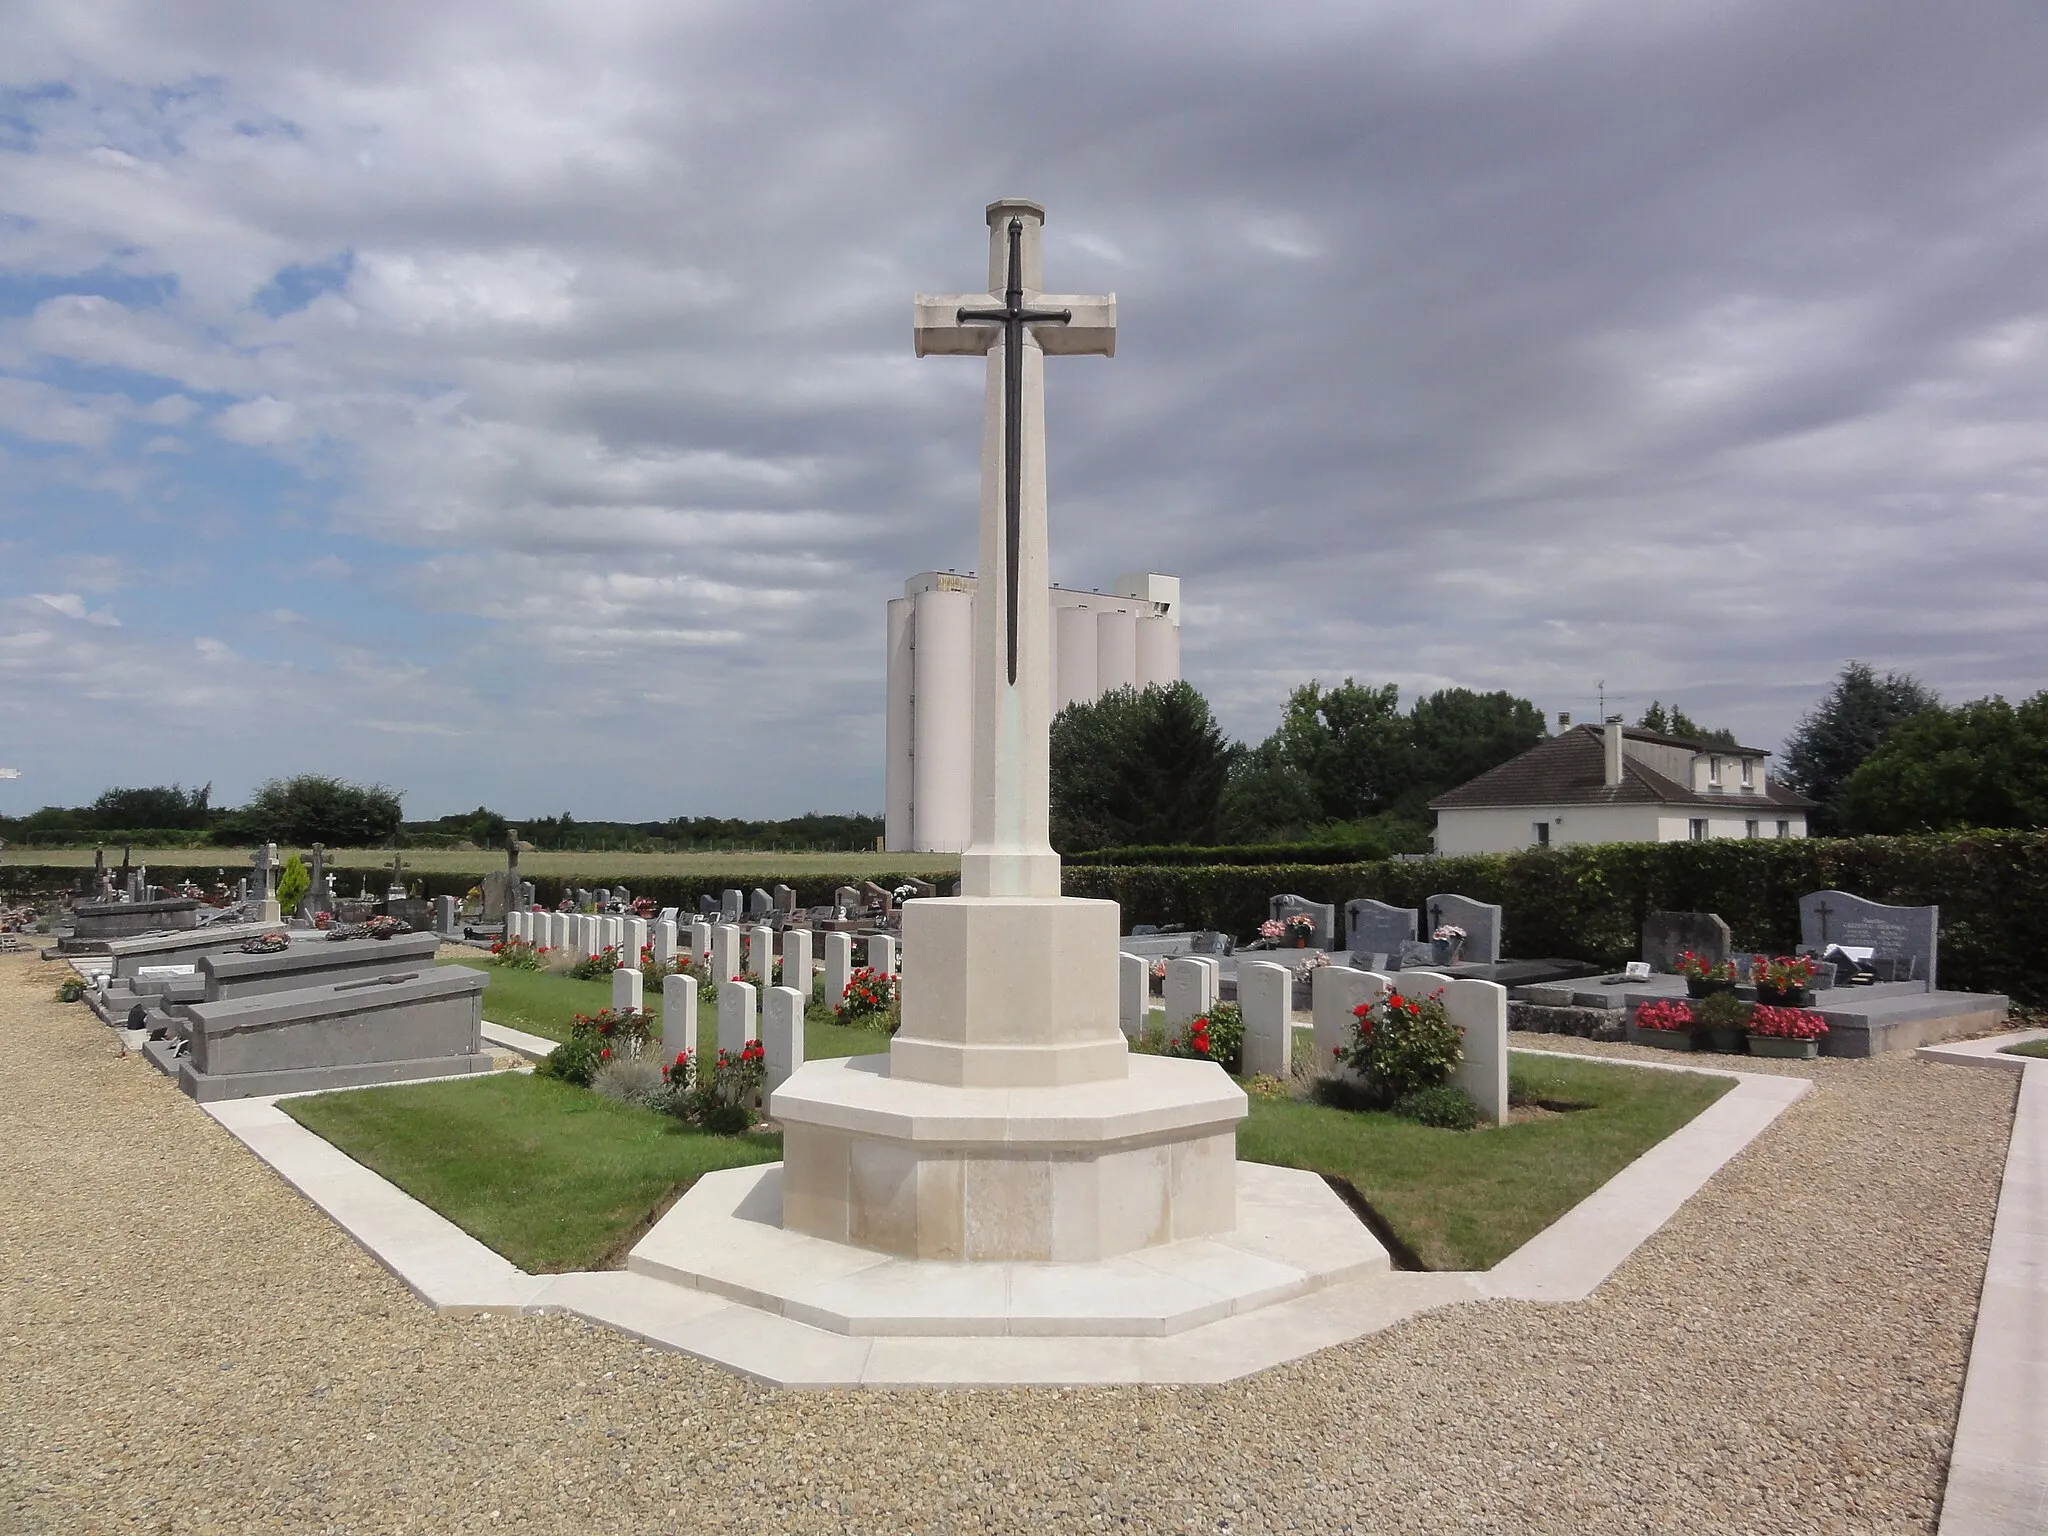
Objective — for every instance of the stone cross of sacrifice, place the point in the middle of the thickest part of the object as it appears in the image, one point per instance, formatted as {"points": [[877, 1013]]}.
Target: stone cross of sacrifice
{"points": [[265, 860], [1014, 326]]}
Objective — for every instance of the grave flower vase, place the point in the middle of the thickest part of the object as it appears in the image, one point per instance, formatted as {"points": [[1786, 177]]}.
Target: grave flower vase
{"points": [[1788, 997], [1700, 986], [1446, 951], [1778, 1045], [1660, 1039]]}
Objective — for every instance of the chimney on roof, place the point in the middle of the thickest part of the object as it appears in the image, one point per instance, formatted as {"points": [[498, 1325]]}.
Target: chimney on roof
{"points": [[1564, 719], [1612, 776]]}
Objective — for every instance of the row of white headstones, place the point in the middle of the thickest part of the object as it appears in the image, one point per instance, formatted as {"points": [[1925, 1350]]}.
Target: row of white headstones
{"points": [[747, 1009], [1265, 996]]}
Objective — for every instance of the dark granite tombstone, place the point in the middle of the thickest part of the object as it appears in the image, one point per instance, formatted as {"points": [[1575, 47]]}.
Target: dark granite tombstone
{"points": [[1324, 935], [1374, 928], [1479, 919], [1906, 938], [1667, 935]]}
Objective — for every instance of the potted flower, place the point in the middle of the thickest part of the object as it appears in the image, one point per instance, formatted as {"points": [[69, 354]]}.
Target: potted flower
{"points": [[1448, 942], [1666, 1023], [1301, 930], [1791, 1032], [1704, 977], [1725, 1018], [1272, 930], [1781, 983]]}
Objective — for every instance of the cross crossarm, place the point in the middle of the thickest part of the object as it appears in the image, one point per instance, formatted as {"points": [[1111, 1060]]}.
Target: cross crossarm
{"points": [[937, 331]]}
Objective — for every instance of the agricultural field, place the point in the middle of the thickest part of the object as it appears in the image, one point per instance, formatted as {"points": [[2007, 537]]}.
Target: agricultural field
{"points": [[626, 866]]}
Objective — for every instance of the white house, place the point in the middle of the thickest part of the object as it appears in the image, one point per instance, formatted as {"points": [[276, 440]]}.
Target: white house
{"points": [[1128, 637], [1616, 784]]}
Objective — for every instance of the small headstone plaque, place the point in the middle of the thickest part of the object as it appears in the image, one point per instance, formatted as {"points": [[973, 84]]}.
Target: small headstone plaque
{"points": [[1906, 937], [1479, 919], [1667, 935]]}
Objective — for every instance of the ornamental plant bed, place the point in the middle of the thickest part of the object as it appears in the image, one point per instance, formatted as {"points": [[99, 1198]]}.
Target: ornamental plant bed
{"points": [[550, 1176], [1790, 1032], [1467, 1199], [1665, 1025]]}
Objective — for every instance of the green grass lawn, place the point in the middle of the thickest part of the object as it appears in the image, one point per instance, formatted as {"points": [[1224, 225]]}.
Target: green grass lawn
{"points": [[551, 1176], [2026, 1048], [1465, 1200], [545, 1003]]}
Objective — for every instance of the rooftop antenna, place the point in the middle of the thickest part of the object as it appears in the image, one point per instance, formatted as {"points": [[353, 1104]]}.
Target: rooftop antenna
{"points": [[1602, 685]]}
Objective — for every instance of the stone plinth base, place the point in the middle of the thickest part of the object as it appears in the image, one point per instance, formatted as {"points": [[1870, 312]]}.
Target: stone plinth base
{"points": [[1076, 1173], [1293, 1237]]}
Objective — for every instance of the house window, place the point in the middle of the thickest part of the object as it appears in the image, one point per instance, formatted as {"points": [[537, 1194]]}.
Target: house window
{"points": [[1699, 829], [1714, 772], [1749, 773], [1542, 834], [1752, 829], [1784, 829]]}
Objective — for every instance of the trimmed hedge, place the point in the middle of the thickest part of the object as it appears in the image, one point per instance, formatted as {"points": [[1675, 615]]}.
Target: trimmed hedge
{"points": [[1240, 854], [1588, 903], [1579, 903]]}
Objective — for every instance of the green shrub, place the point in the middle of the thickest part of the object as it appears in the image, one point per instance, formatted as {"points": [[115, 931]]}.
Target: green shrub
{"points": [[629, 1080], [596, 967], [1217, 1036], [719, 1094], [1446, 1106], [575, 1060], [1723, 1010], [70, 990], [873, 1000], [292, 884], [1402, 1045]]}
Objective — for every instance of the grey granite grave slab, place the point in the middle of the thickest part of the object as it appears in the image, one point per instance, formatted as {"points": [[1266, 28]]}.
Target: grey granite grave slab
{"points": [[131, 955], [1667, 935], [96, 923], [1479, 919], [1374, 928], [374, 1029], [320, 963], [1895, 933], [1280, 908]]}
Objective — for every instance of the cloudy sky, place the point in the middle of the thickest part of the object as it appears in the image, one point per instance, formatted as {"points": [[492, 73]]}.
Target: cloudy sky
{"points": [[514, 402]]}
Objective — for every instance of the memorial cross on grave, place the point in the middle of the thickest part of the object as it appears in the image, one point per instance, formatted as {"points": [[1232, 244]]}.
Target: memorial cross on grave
{"points": [[1014, 326], [1823, 911], [265, 860]]}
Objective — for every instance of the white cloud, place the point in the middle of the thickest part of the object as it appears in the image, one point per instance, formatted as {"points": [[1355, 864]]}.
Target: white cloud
{"points": [[72, 606]]}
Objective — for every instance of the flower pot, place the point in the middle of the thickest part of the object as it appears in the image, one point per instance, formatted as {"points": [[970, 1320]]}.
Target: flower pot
{"points": [[1660, 1039], [1446, 951], [1696, 986], [1778, 1045], [1772, 997], [1300, 942], [1727, 1039]]}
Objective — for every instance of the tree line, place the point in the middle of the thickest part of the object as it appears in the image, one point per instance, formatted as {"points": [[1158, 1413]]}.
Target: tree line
{"points": [[1877, 754]]}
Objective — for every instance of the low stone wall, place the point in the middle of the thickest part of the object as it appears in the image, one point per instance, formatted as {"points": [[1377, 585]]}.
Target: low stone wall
{"points": [[1586, 1023]]}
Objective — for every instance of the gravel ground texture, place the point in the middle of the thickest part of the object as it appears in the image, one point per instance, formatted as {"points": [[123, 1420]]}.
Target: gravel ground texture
{"points": [[189, 1346]]}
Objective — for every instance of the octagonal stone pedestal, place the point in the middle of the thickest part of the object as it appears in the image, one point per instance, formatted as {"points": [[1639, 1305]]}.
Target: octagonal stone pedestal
{"points": [[1079, 1172]]}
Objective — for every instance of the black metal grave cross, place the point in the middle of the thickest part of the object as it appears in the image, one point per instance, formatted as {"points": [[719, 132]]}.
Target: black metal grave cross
{"points": [[1013, 317], [1823, 912]]}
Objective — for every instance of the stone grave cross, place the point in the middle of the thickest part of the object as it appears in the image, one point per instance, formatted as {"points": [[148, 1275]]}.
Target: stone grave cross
{"points": [[1014, 326], [1823, 911], [265, 860]]}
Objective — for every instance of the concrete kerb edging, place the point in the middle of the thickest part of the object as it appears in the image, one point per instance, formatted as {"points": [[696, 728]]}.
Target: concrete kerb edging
{"points": [[454, 1273], [1998, 1468]]}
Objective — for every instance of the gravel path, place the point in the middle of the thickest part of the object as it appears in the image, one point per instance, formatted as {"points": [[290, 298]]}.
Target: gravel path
{"points": [[185, 1345]]}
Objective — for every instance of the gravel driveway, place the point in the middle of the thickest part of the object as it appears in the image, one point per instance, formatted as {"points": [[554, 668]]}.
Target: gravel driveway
{"points": [[185, 1345]]}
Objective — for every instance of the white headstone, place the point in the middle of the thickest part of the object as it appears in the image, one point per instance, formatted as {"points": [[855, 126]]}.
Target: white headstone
{"points": [[678, 1016], [796, 960], [761, 954], [725, 952], [635, 939], [627, 990], [700, 942], [1265, 993], [736, 1020], [593, 937], [1335, 991], [1190, 990], [838, 967], [882, 954], [1479, 1009], [782, 1034], [1134, 994], [665, 942]]}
